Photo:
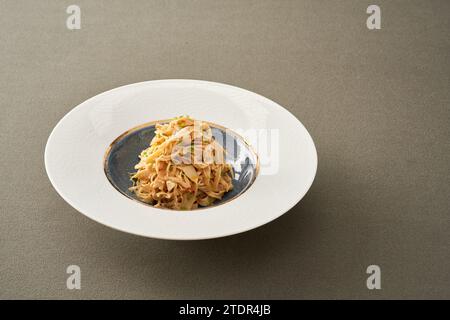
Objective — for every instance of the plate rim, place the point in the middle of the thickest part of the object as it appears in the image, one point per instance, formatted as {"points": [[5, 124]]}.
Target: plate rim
{"points": [[225, 233]]}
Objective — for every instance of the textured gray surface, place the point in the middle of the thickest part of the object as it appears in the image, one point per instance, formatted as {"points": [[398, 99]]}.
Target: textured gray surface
{"points": [[377, 104]]}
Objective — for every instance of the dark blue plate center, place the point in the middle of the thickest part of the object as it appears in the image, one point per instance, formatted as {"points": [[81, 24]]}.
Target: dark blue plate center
{"points": [[123, 154]]}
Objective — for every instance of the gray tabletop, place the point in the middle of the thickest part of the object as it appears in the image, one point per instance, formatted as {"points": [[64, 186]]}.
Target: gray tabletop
{"points": [[376, 103]]}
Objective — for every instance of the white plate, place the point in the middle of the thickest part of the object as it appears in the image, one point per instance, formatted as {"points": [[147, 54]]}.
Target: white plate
{"points": [[76, 147]]}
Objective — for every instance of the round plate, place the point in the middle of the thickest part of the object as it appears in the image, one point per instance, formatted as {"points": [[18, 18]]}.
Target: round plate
{"points": [[75, 151]]}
